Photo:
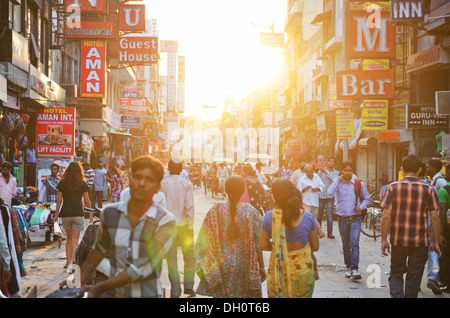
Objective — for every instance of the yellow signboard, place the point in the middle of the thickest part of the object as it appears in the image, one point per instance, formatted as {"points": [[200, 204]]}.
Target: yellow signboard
{"points": [[374, 115], [345, 127]]}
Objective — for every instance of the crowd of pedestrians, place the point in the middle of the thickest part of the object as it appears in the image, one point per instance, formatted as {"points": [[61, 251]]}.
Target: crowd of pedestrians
{"points": [[152, 214]]}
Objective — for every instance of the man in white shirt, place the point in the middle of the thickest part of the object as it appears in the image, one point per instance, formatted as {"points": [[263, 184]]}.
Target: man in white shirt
{"points": [[179, 194], [295, 177], [222, 175], [260, 174], [311, 185]]}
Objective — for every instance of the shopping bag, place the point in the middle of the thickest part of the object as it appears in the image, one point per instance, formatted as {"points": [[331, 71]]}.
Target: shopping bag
{"points": [[57, 229]]}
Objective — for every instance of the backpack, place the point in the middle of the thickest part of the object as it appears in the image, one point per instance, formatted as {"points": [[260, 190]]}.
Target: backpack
{"points": [[358, 195]]}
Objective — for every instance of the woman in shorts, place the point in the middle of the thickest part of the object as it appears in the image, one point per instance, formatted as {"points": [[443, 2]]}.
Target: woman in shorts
{"points": [[72, 189]]}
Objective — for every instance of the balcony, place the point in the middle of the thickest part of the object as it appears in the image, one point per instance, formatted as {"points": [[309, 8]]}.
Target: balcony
{"points": [[293, 21]]}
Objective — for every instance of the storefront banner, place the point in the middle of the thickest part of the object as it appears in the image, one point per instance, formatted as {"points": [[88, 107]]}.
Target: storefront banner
{"points": [[93, 69], [374, 115], [171, 82], [130, 91], [345, 128], [127, 122], [134, 106], [20, 52], [55, 132], [3, 89], [334, 103], [181, 83]]}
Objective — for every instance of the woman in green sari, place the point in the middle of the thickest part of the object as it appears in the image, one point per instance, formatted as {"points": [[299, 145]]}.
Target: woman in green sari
{"points": [[291, 234]]}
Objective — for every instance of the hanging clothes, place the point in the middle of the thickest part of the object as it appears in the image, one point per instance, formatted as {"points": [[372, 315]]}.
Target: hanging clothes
{"points": [[14, 285]]}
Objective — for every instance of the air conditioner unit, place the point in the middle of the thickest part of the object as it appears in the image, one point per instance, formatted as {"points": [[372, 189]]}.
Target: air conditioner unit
{"points": [[71, 90]]}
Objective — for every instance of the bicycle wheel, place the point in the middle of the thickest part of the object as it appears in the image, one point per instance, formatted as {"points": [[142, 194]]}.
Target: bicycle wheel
{"points": [[371, 224], [375, 196]]}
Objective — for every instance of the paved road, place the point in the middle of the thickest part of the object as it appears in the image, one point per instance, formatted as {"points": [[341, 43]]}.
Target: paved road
{"points": [[44, 262]]}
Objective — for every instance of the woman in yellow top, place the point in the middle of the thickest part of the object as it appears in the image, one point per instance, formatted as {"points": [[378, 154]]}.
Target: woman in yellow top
{"points": [[291, 234]]}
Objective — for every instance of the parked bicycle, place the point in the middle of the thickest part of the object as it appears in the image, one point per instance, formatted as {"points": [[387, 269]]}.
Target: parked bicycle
{"points": [[371, 222]]}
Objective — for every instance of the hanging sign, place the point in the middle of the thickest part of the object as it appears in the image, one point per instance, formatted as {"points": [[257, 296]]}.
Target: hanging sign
{"points": [[55, 131], [345, 127], [370, 35], [93, 69], [138, 50], [374, 115], [130, 122], [365, 84], [424, 116], [132, 17]]}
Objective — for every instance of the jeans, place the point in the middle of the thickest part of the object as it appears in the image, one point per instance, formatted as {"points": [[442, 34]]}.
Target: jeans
{"points": [[99, 199], [409, 260], [350, 231], [184, 239], [430, 275], [328, 205]]}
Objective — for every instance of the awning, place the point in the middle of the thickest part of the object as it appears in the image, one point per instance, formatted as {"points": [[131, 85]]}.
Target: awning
{"points": [[121, 134], [370, 142], [321, 17]]}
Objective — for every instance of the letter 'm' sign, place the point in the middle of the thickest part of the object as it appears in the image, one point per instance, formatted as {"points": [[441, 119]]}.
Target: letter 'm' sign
{"points": [[367, 39]]}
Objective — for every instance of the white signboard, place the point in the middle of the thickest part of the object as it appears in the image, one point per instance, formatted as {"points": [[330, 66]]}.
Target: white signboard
{"points": [[171, 82]]}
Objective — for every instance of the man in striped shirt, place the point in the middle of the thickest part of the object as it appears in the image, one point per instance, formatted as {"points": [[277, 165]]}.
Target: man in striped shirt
{"points": [[405, 216], [136, 235]]}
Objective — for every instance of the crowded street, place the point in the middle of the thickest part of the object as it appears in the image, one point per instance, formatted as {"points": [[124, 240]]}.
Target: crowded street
{"points": [[44, 261], [211, 150]]}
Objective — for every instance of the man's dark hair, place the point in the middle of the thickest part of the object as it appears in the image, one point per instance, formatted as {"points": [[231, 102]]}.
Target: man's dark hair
{"points": [[6, 164], [175, 168], [332, 158], [436, 164], [99, 165], [86, 165], [144, 162], [54, 165], [423, 171], [346, 164], [411, 163]]}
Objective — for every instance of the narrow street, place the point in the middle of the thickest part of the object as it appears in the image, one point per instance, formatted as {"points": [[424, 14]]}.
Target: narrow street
{"points": [[44, 262]]}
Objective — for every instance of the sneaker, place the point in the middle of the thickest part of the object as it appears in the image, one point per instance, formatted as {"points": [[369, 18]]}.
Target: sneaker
{"points": [[330, 236], [355, 274], [434, 287], [348, 274]]}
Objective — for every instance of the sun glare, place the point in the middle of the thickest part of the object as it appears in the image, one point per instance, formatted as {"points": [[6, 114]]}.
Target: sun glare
{"points": [[221, 44]]}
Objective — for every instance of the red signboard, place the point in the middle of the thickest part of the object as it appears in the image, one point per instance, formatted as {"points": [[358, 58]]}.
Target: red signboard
{"points": [[55, 131], [134, 106], [88, 6], [91, 29], [138, 50], [370, 35], [389, 136], [132, 17], [93, 69], [365, 84]]}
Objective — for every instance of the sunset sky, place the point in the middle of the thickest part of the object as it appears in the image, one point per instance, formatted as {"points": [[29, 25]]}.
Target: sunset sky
{"points": [[221, 45]]}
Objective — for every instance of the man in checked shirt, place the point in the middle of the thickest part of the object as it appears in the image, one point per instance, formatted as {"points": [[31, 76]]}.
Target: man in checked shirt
{"points": [[405, 217], [136, 235]]}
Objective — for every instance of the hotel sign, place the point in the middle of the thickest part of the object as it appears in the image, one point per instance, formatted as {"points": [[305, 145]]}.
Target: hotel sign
{"points": [[406, 10]]}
